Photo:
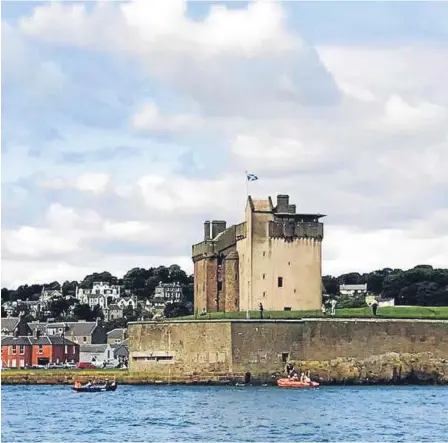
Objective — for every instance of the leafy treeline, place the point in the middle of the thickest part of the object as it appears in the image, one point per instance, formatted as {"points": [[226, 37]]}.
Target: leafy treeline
{"points": [[420, 286], [137, 281]]}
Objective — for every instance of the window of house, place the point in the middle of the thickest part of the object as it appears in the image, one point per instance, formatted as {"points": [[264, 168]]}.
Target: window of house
{"points": [[66, 349], [40, 349], [280, 282], [22, 349], [14, 349], [84, 339]]}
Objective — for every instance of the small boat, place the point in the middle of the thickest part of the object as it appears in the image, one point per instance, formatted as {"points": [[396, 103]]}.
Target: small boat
{"points": [[288, 383], [95, 388]]}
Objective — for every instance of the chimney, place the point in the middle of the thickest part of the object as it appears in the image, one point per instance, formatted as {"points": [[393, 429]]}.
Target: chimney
{"points": [[206, 230], [282, 203], [36, 333], [218, 226], [292, 209]]}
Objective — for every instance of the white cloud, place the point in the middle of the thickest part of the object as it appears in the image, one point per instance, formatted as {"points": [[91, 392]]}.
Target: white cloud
{"points": [[359, 133], [149, 27], [92, 182], [401, 115], [150, 118]]}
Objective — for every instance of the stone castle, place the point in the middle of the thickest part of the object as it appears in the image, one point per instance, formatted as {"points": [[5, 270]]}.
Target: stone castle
{"points": [[274, 257]]}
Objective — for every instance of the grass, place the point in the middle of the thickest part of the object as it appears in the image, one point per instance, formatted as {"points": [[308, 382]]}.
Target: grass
{"points": [[422, 312]]}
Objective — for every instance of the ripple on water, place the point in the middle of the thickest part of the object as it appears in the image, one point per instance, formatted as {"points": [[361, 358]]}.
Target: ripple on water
{"points": [[153, 413]]}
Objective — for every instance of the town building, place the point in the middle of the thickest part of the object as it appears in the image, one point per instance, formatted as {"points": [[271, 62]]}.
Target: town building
{"points": [[81, 332], [48, 295], [127, 302], [19, 352], [14, 327], [117, 336], [168, 292], [97, 354], [121, 352], [353, 290], [273, 258], [114, 312]]}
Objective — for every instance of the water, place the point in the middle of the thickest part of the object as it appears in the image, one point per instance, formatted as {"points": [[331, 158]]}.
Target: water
{"points": [[167, 413]]}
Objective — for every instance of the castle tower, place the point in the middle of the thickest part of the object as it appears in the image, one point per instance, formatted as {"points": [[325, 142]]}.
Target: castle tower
{"points": [[273, 257], [231, 282]]}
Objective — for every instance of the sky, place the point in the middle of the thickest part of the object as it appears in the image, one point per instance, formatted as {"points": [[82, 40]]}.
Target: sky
{"points": [[126, 125]]}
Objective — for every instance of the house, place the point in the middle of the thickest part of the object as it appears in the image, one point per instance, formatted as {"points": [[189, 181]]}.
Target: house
{"points": [[353, 290], [48, 295], [97, 354], [81, 332], [103, 289], [14, 326], [117, 335], [121, 352], [19, 352], [9, 308], [16, 352], [126, 302], [168, 292], [113, 312]]}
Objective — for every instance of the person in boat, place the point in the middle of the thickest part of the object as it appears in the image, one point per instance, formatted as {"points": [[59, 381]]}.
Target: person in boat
{"points": [[289, 368], [88, 384]]}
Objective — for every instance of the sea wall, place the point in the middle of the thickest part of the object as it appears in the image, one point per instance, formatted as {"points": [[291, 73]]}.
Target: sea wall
{"points": [[337, 350]]}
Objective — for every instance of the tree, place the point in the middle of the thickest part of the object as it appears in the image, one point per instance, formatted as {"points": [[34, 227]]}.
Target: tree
{"points": [[69, 288], [59, 308], [175, 310], [3, 312], [6, 295], [83, 312], [331, 284]]}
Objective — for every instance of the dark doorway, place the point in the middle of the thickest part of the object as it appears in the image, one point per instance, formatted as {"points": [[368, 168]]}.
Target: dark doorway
{"points": [[247, 376], [43, 361]]}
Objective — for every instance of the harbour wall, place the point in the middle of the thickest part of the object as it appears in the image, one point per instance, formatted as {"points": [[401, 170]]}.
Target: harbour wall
{"points": [[336, 350]]}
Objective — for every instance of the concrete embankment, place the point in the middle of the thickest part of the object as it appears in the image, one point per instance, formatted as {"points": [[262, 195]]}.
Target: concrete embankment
{"points": [[390, 368]]}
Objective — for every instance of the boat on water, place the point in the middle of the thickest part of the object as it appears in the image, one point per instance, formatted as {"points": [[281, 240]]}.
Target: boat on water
{"points": [[78, 387], [288, 383]]}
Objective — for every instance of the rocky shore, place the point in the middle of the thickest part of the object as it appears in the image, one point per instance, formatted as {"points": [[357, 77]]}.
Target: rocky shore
{"points": [[391, 368]]}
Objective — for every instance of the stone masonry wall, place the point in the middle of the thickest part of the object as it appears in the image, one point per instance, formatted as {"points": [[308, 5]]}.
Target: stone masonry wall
{"points": [[186, 349], [211, 349]]}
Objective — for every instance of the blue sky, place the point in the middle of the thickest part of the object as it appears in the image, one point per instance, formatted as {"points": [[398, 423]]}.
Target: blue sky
{"points": [[121, 133]]}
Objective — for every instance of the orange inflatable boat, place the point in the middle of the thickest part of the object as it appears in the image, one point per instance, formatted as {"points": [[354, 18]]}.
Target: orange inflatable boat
{"points": [[287, 383]]}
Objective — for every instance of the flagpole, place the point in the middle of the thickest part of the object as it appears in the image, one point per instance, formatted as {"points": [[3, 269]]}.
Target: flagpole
{"points": [[248, 284]]}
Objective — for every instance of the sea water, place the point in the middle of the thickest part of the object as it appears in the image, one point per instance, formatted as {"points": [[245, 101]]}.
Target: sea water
{"points": [[175, 413]]}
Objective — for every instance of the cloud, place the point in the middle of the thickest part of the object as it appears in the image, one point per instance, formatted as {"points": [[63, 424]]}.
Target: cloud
{"points": [[94, 182], [357, 132], [151, 119]]}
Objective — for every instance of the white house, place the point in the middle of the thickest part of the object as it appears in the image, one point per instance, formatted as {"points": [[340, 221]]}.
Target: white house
{"points": [[96, 354], [47, 295], [102, 290], [353, 290], [125, 302]]}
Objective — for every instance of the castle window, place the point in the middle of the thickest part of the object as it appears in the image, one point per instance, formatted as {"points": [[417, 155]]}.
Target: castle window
{"points": [[289, 263], [285, 357], [295, 290], [280, 282], [220, 286], [287, 308], [264, 253], [264, 294], [264, 276]]}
